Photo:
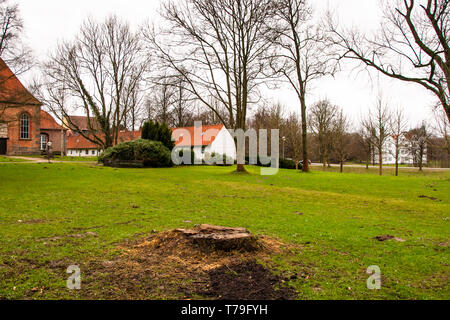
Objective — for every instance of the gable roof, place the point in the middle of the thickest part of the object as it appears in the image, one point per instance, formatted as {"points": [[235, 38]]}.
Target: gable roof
{"points": [[125, 136], [81, 122], [12, 90], [80, 142], [77, 141], [48, 122], [208, 135]]}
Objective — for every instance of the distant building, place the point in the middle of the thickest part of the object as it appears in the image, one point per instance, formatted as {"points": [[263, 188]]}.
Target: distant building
{"points": [[406, 156], [25, 129], [207, 140], [79, 146]]}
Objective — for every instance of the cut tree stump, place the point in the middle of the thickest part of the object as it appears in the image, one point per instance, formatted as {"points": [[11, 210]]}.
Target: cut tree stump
{"points": [[221, 238]]}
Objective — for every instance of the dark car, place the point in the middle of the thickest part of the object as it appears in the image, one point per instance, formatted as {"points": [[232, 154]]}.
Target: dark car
{"points": [[300, 164]]}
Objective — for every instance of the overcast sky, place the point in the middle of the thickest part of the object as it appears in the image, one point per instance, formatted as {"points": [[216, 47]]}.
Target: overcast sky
{"points": [[48, 21]]}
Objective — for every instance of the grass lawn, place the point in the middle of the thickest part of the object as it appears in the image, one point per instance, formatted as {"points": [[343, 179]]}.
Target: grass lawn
{"points": [[332, 218]]}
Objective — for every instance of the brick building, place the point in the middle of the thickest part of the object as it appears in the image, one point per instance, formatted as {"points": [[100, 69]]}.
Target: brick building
{"points": [[24, 127]]}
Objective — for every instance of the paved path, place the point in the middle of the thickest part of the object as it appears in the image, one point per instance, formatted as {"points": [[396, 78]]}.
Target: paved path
{"points": [[42, 160], [376, 167]]}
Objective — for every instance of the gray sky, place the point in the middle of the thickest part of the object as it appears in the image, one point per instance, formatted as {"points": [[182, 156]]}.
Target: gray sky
{"points": [[48, 21]]}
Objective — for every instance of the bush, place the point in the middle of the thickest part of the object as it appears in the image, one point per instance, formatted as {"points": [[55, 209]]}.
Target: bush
{"points": [[153, 153], [154, 131], [287, 164]]}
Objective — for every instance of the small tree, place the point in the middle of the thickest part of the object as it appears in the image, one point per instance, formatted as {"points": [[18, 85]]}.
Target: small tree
{"points": [[154, 131], [398, 126], [293, 129], [341, 138], [417, 140], [377, 124], [365, 141], [321, 118]]}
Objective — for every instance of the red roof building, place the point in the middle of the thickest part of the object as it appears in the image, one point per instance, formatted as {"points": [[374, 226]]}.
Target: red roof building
{"points": [[25, 129]]}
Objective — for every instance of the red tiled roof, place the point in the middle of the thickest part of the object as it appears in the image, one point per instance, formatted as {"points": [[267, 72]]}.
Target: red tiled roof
{"points": [[48, 122], [208, 135], [80, 142], [81, 122], [126, 136], [12, 90]]}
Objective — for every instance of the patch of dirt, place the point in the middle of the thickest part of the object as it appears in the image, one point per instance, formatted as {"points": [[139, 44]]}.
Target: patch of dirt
{"points": [[169, 265], [76, 235], [246, 281], [431, 198], [389, 237]]}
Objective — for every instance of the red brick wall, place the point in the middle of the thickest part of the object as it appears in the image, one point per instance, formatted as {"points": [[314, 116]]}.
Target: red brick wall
{"points": [[54, 137], [15, 145]]}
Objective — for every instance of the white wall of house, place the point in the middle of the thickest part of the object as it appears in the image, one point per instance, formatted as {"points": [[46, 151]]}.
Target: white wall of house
{"points": [[405, 156], [82, 152], [223, 144]]}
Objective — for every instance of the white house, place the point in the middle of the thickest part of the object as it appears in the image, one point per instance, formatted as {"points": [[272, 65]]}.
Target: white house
{"points": [[405, 156], [205, 140]]}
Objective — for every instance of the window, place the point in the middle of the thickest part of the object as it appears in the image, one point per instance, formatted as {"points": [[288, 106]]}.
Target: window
{"points": [[24, 126], [93, 152], [44, 141]]}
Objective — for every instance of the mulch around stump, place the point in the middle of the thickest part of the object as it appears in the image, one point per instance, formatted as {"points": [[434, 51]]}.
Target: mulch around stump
{"points": [[169, 265]]}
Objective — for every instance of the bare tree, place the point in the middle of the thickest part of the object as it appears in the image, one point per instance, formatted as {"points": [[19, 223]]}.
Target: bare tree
{"points": [[183, 109], [219, 48], [365, 141], [443, 129], [412, 45], [99, 73], [293, 134], [162, 100], [398, 125], [341, 138], [14, 53], [321, 117], [377, 123], [417, 143], [12, 49], [301, 59]]}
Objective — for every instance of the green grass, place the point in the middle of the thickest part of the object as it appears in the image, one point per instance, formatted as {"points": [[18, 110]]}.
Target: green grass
{"points": [[342, 213]]}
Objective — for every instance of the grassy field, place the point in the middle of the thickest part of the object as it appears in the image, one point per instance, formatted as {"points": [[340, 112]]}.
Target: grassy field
{"points": [[47, 210]]}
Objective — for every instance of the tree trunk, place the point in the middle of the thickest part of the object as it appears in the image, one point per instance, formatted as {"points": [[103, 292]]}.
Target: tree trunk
{"points": [[421, 161], [342, 166], [305, 167], [241, 168], [380, 160]]}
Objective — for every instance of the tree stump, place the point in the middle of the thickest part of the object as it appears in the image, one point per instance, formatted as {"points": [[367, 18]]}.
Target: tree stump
{"points": [[221, 238]]}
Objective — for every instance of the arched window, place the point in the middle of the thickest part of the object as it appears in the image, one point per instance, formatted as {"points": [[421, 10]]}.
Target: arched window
{"points": [[44, 141], [24, 126]]}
